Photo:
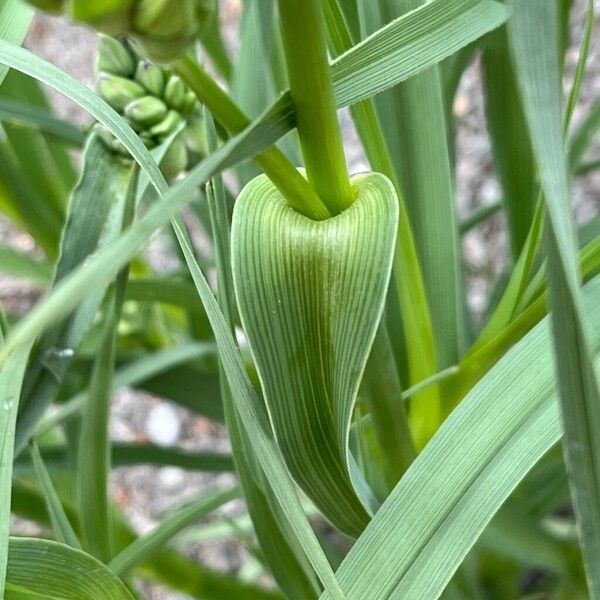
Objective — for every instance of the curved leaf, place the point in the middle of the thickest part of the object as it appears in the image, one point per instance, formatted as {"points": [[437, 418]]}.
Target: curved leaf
{"points": [[310, 295], [421, 534], [54, 570]]}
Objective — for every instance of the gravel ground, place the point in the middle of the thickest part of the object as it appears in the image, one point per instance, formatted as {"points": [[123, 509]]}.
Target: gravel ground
{"points": [[145, 494]]}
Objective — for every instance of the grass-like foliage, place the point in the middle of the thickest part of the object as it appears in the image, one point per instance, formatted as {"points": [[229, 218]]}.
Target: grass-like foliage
{"points": [[385, 443]]}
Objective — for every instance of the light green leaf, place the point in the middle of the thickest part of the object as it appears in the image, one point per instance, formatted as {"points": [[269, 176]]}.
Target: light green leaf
{"points": [[425, 528], [19, 264], [104, 265], [85, 226], [56, 458], [410, 44], [61, 526], [144, 547], [134, 374], [11, 379], [282, 554], [17, 113], [58, 572], [318, 288], [535, 40], [15, 17], [513, 155], [93, 456], [254, 419]]}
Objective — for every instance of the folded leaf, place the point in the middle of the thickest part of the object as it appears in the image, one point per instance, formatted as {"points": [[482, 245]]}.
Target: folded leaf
{"points": [[310, 295]]}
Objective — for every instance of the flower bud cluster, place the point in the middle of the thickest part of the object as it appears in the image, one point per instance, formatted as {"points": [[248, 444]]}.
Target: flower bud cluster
{"points": [[164, 28], [154, 101]]}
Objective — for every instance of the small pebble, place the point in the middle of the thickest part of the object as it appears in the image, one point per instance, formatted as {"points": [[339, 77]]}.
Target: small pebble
{"points": [[163, 425]]}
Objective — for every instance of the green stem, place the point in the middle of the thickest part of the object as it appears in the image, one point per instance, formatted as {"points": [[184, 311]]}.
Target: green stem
{"points": [[305, 42], [384, 394], [297, 191]]}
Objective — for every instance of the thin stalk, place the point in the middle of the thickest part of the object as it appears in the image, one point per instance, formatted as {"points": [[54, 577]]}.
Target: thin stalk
{"points": [[305, 44], [387, 409], [296, 189]]}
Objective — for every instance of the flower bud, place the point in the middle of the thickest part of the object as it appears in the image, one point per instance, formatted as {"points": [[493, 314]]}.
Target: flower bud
{"points": [[166, 28], [118, 91], [175, 92], [114, 57], [190, 103], [151, 77], [167, 125], [175, 160], [146, 111]]}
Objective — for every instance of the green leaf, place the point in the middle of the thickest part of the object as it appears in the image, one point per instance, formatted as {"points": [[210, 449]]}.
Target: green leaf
{"points": [[58, 572], [583, 136], [254, 419], [535, 39], [407, 276], [11, 378], [167, 567], [26, 62], [103, 266], [513, 155], [319, 289], [56, 458], [19, 264], [45, 165], [425, 528], [410, 44], [15, 17], [157, 372], [93, 456], [144, 547], [290, 568], [426, 182], [29, 115], [61, 526], [85, 229]]}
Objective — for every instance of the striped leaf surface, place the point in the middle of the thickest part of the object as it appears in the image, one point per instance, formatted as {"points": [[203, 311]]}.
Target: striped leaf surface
{"points": [[310, 295]]}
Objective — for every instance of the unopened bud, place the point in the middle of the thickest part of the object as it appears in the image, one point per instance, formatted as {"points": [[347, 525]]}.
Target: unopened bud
{"points": [[118, 91], [190, 103], [146, 111], [114, 57], [108, 16], [167, 125], [151, 77], [175, 160], [175, 92]]}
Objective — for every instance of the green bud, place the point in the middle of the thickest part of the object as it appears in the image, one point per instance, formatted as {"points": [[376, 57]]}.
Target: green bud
{"points": [[190, 103], [175, 92], [108, 16], [195, 135], [166, 28], [175, 160], [118, 91], [114, 57], [167, 125], [146, 111], [151, 77]]}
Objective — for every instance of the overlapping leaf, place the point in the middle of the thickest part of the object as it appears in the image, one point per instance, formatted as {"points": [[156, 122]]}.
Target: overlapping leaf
{"points": [[421, 534], [310, 295]]}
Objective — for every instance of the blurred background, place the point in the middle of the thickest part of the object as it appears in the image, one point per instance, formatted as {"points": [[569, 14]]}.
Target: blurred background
{"points": [[145, 494]]}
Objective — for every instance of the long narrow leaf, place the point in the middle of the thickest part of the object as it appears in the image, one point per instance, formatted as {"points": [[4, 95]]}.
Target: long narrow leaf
{"points": [[535, 45], [11, 378], [421, 534]]}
